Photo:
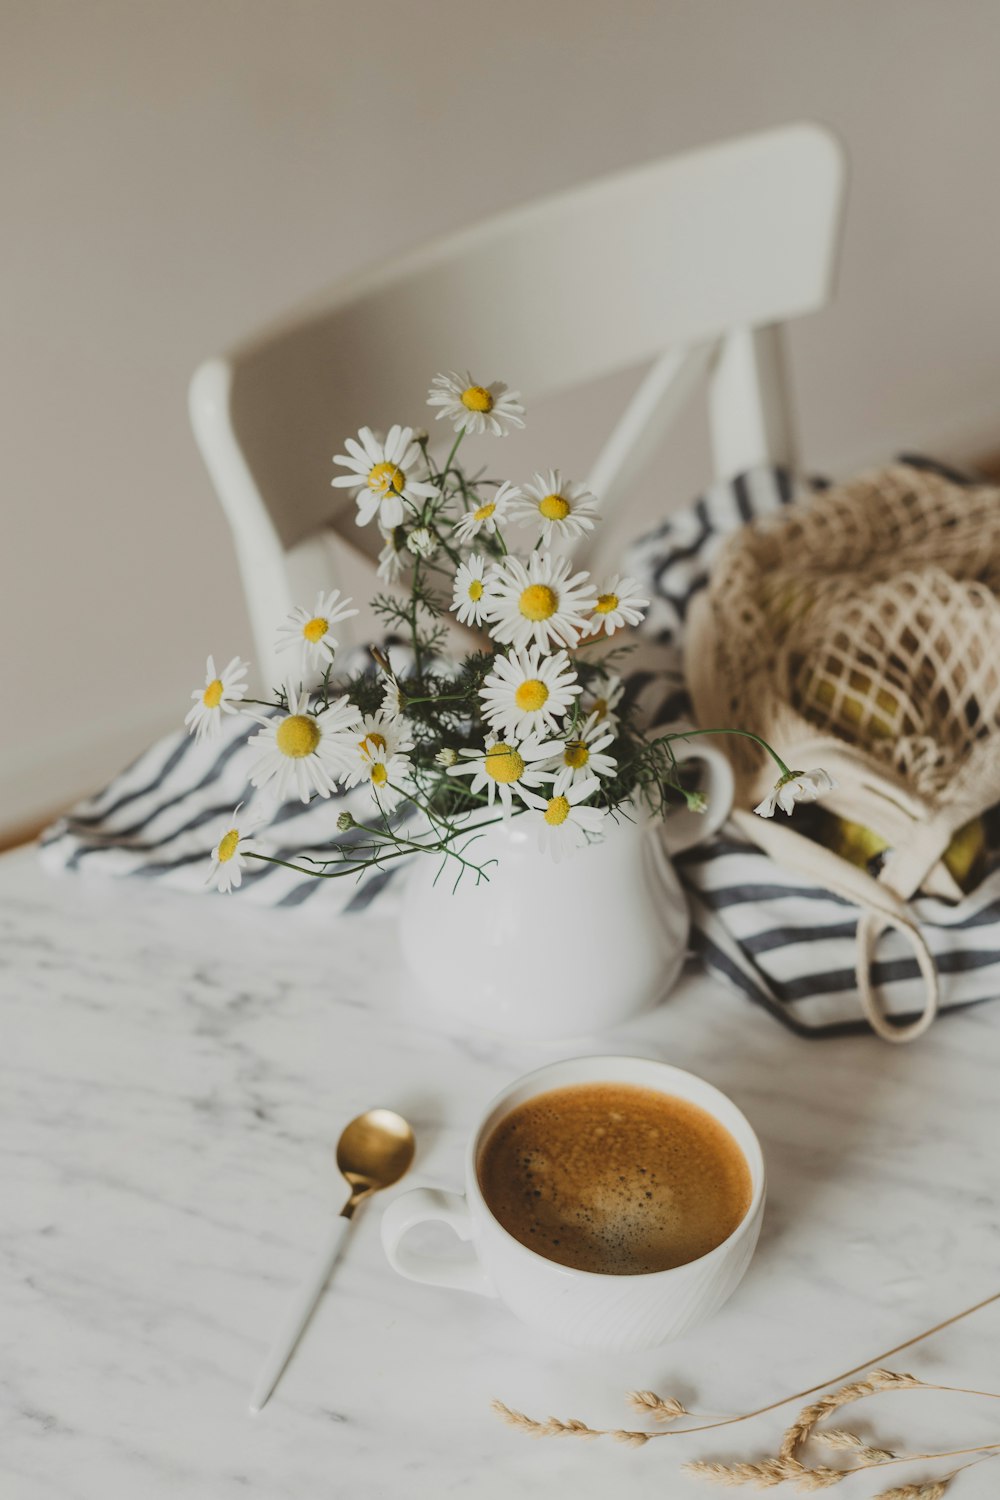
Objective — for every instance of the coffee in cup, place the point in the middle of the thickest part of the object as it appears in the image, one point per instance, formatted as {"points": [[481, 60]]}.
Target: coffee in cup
{"points": [[614, 1178]]}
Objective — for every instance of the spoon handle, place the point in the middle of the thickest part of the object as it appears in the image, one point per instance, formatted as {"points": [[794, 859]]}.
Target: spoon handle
{"points": [[297, 1314]]}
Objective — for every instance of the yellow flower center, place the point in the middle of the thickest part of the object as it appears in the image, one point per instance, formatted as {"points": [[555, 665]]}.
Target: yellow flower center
{"points": [[531, 695], [314, 630], [476, 590], [576, 754], [385, 477], [538, 602], [554, 508], [606, 603], [371, 742], [484, 512], [503, 763], [212, 696], [379, 774], [477, 398], [298, 735], [557, 811], [227, 845], [600, 707]]}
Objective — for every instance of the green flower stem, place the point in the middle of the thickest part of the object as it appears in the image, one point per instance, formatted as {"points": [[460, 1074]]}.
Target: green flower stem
{"points": [[414, 606], [454, 556], [690, 734], [437, 698], [354, 868], [454, 449]]}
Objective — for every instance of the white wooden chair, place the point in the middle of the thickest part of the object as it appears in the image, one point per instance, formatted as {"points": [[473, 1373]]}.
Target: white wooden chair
{"points": [[689, 264]]}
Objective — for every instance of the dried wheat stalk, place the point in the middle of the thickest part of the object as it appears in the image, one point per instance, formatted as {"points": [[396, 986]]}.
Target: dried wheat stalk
{"points": [[786, 1467], [843, 1441], [767, 1472], [932, 1491], [668, 1402], [557, 1427], [876, 1380], [660, 1408], [551, 1427]]}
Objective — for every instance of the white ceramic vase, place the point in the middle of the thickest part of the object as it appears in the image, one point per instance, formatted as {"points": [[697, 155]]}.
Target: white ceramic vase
{"points": [[554, 951]]}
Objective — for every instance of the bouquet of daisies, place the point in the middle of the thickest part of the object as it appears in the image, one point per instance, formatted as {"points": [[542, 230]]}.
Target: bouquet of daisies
{"points": [[533, 721]]}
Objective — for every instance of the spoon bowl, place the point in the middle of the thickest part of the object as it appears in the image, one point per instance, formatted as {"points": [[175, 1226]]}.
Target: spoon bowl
{"points": [[373, 1152]]}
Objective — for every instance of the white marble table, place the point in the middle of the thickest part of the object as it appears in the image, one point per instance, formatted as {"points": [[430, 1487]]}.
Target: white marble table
{"points": [[174, 1071]]}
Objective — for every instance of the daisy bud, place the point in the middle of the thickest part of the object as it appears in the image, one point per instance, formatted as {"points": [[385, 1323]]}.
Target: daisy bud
{"points": [[447, 757], [345, 821], [421, 543], [697, 802]]}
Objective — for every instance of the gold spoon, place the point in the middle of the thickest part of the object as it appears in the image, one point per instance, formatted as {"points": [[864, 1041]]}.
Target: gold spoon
{"points": [[373, 1152]]}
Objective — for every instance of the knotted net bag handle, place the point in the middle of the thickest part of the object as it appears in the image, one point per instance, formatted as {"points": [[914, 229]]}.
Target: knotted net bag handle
{"points": [[881, 909]]}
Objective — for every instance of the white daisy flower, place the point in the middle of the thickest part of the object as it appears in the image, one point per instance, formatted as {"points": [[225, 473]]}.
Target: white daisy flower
{"points": [[563, 506], [469, 594], [505, 767], [232, 842], [383, 475], [797, 786], [560, 821], [421, 543], [618, 604], [486, 516], [393, 702], [475, 408], [216, 698], [378, 754], [539, 603], [603, 699], [393, 560], [527, 692], [301, 753], [313, 633], [583, 755]]}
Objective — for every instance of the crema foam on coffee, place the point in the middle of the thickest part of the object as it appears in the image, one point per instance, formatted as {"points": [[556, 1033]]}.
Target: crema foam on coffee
{"points": [[615, 1178]]}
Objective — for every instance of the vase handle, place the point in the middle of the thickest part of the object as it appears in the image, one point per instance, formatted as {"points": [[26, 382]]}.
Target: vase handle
{"points": [[684, 828]]}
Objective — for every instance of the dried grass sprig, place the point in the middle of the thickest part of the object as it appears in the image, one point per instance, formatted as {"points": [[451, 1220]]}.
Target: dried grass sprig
{"points": [[932, 1491], [876, 1380], [660, 1408], [929, 1489], [842, 1441], [650, 1401], [764, 1474], [570, 1427], [551, 1427]]}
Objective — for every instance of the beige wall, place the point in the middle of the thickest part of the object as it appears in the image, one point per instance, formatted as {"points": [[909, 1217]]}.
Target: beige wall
{"points": [[175, 172]]}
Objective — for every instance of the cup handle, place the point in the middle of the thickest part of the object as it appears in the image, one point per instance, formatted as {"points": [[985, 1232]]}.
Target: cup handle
{"points": [[684, 828], [421, 1206]]}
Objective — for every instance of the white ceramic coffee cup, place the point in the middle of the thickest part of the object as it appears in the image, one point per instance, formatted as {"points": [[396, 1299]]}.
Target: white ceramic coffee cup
{"points": [[586, 1308]]}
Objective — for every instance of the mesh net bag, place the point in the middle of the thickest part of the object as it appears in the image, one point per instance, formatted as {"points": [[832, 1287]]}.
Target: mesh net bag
{"points": [[860, 631]]}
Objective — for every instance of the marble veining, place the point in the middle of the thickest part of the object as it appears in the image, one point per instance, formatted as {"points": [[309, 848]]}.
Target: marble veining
{"points": [[173, 1074]]}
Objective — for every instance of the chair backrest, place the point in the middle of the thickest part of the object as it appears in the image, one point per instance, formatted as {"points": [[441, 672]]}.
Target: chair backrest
{"points": [[692, 263]]}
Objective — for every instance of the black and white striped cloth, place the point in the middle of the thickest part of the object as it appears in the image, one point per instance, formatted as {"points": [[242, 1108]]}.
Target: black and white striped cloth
{"points": [[787, 946]]}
